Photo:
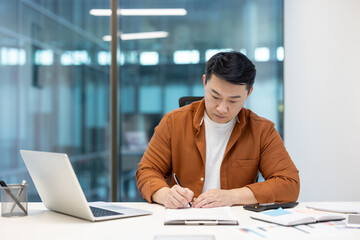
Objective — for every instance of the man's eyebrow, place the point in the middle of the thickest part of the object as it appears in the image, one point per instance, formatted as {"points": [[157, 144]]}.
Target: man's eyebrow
{"points": [[214, 91]]}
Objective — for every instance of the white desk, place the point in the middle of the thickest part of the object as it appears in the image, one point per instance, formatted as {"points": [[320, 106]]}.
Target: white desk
{"points": [[44, 224]]}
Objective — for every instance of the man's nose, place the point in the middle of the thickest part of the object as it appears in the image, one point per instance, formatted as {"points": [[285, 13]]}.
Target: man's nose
{"points": [[222, 107]]}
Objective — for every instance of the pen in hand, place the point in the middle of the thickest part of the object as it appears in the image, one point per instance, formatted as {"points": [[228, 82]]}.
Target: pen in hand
{"points": [[178, 183]]}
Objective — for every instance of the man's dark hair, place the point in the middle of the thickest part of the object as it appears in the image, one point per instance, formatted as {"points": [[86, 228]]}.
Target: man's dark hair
{"points": [[233, 67]]}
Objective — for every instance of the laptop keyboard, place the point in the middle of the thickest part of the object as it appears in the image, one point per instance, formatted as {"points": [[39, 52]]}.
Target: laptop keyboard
{"points": [[100, 212]]}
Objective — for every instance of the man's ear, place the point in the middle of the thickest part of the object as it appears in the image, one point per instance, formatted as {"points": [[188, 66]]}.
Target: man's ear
{"points": [[204, 79], [250, 91]]}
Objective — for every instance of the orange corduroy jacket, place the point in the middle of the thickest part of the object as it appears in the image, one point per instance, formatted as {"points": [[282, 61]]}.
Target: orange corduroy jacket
{"points": [[178, 146]]}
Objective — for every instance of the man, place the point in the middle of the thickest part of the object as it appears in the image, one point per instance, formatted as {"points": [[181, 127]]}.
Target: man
{"points": [[217, 148]]}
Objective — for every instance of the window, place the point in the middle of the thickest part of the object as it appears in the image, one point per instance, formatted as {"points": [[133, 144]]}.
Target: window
{"points": [[55, 71], [54, 89]]}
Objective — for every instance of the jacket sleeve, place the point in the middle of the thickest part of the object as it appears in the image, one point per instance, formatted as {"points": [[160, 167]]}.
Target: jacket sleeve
{"points": [[155, 164], [282, 182]]}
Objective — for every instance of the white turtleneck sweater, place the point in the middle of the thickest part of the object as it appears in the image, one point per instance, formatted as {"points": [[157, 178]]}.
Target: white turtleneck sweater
{"points": [[217, 136]]}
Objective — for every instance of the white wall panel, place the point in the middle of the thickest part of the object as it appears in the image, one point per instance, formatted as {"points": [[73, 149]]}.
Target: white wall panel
{"points": [[322, 96]]}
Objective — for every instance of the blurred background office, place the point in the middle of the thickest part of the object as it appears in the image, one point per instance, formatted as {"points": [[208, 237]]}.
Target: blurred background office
{"points": [[55, 76]]}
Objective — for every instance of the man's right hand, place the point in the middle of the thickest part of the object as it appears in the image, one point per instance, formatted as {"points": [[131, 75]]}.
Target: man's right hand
{"points": [[175, 197]]}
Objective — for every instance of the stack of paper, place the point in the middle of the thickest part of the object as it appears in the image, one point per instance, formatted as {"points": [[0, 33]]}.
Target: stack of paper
{"points": [[336, 207], [200, 216]]}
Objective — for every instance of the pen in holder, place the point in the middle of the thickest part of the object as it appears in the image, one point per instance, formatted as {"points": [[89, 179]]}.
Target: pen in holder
{"points": [[14, 200]]}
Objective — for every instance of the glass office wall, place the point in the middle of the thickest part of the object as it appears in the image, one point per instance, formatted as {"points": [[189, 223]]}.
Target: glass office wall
{"points": [[168, 60], [54, 87], [55, 71]]}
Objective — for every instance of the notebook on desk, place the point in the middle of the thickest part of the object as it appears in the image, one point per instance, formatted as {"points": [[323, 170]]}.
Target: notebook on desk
{"points": [[60, 190], [297, 216]]}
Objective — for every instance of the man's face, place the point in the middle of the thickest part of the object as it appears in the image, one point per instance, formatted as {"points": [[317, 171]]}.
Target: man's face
{"points": [[223, 100]]}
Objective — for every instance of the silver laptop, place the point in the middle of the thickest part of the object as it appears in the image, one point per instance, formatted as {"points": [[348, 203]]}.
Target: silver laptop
{"points": [[60, 190]]}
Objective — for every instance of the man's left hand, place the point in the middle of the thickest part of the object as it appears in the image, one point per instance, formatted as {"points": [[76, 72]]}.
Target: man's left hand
{"points": [[214, 198], [220, 198]]}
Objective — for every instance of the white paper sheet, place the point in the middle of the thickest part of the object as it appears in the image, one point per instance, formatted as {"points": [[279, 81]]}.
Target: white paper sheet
{"points": [[219, 213], [335, 207]]}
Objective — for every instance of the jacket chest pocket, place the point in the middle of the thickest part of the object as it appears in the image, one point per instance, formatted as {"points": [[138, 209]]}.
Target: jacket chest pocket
{"points": [[243, 172]]}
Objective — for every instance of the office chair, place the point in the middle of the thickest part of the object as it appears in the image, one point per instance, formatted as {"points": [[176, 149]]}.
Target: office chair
{"points": [[187, 100]]}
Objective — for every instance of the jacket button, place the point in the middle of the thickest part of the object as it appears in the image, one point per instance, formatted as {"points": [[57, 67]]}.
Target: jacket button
{"points": [[202, 179]]}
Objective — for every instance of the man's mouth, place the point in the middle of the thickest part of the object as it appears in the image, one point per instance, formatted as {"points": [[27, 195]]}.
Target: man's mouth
{"points": [[219, 116]]}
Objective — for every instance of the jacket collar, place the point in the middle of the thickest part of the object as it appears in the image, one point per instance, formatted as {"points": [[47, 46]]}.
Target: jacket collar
{"points": [[199, 116], [199, 109]]}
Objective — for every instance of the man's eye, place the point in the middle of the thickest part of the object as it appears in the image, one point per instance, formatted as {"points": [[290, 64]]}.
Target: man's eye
{"points": [[215, 97], [233, 101]]}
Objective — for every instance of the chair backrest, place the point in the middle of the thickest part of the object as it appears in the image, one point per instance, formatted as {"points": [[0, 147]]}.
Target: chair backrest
{"points": [[187, 100]]}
